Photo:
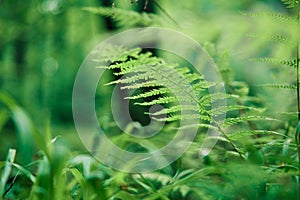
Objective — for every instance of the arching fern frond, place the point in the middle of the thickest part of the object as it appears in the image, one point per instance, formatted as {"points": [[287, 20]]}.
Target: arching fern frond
{"points": [[289, 63], [280, 86], [237, 120], [274, 15], [184, 94], [237, 135], [126, 18]]}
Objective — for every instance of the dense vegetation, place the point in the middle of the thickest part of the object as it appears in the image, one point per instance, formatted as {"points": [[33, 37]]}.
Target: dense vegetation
{"points": [[255, 46]]}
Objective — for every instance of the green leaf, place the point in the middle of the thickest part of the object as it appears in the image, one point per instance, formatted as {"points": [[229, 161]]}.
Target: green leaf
{"points": [[7, 169], [297, 133], [25, 128], [78, 176], [26, 172]]}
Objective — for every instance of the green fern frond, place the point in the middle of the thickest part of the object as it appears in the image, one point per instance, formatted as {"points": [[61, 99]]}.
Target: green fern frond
{"points": [[126, 18], [290, 3], [178, 117], [225, 109], [280, 86], [237, 120], [208, 126], [174, 87], [274, 15], [153, 92], [290, 63], [148, 84], [237, 135], [273, 38], [207, 99], [162, 100], [173, 109], [275, 144]]}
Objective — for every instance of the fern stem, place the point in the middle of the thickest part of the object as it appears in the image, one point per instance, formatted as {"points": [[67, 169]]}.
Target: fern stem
{"points": [[229, 140]]}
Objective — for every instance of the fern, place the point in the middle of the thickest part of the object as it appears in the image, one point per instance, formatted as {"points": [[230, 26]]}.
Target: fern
{"points": [[183, 93], [126, 18], [290, 3], [280, 86], [289, 38], [274, 15], [147, 71], [290, 63]]}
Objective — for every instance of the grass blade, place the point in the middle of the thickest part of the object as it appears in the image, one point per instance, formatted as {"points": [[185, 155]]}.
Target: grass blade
{"points": [[7, 169]]}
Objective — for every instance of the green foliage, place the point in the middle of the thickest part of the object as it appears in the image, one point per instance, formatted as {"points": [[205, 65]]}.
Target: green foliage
{"points": [[256, 156]]}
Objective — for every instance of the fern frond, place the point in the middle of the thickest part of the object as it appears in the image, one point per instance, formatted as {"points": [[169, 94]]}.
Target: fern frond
{"points": [[237, 120], [225, 109], [280, 86], [237, 135], [177, 117], [161, 100], [199, 126], [153, 92], [126, 18], [273, 38], [274, 15], [180, 85], [207, 99], [173, 109], [111, 53], [290, 63], [148, 84], [290, 3]]}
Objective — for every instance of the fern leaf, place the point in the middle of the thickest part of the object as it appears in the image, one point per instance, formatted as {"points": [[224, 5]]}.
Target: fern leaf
{"points": [[273, 38], [290, 63], [237, 135], [172, 118], [174, 109], [162, 100], [148, 84], [153, 92], [280, 86], [207, 99], [126, 18], [225, 109], [237, 120], [274, 15], [290, 3], [199, 126]]}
